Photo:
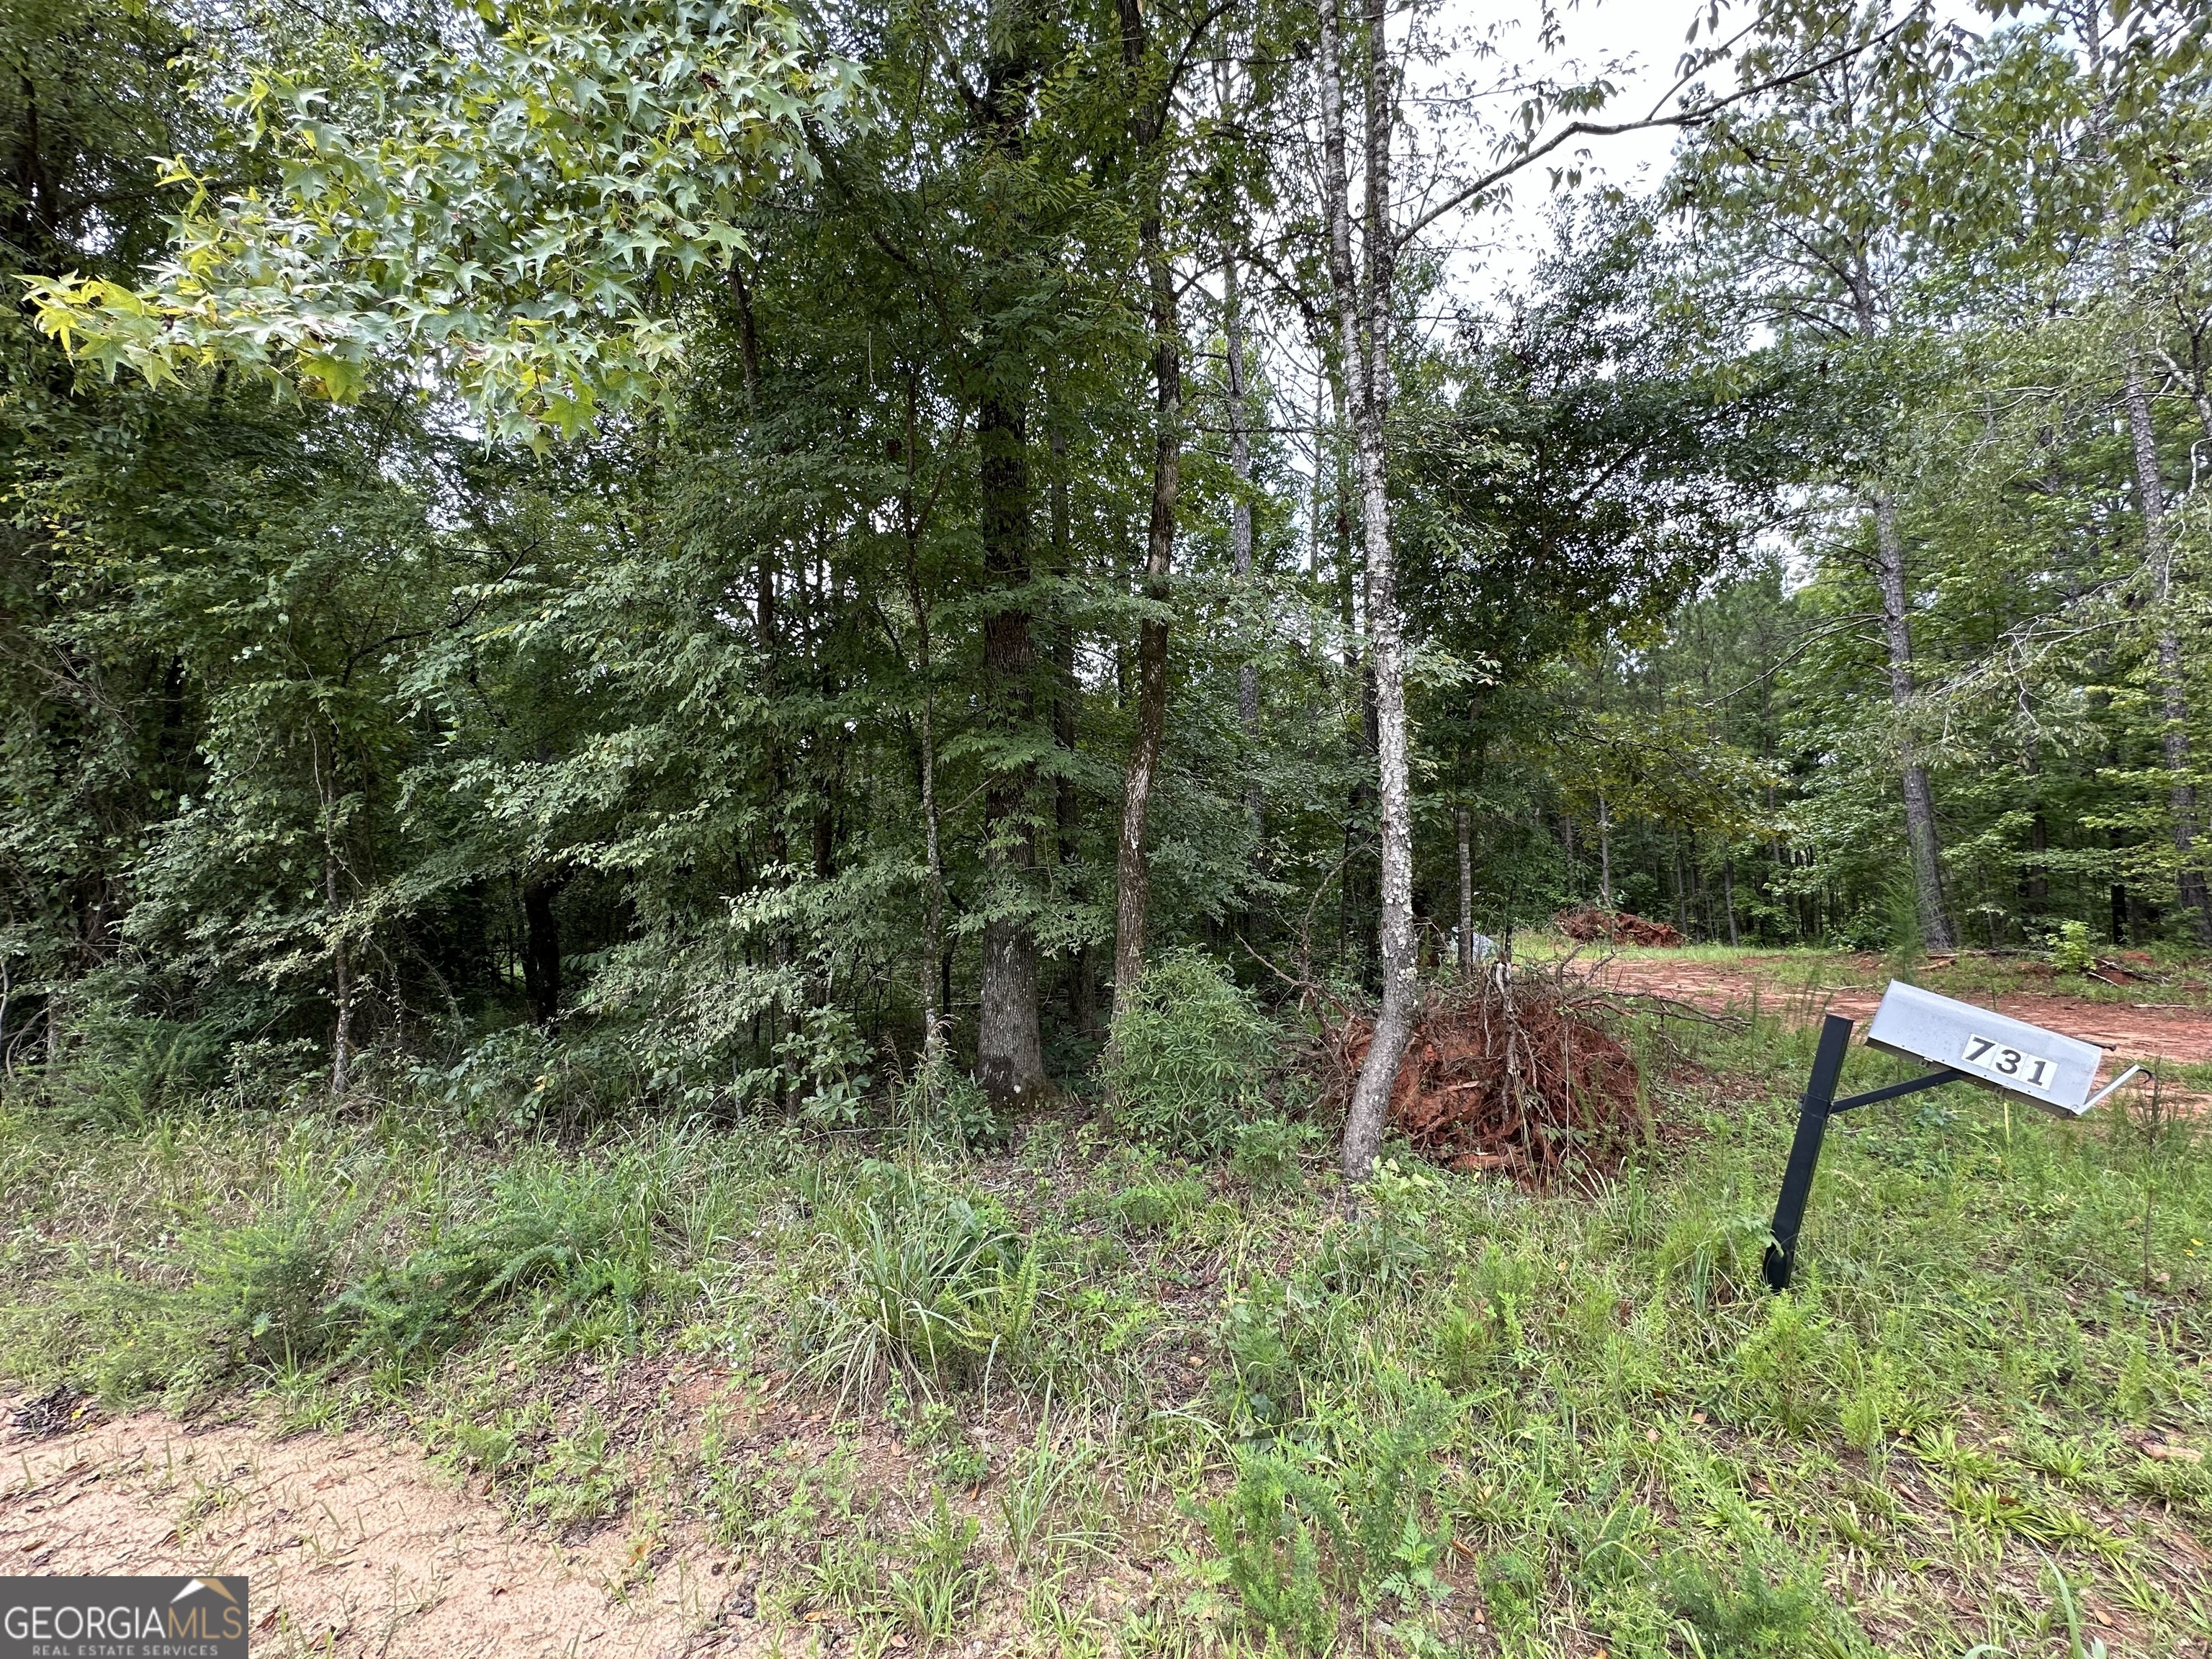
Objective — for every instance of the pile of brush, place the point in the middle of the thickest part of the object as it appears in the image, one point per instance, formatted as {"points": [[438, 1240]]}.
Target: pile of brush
{"points": [[1517, 1071], [1589, 925]]}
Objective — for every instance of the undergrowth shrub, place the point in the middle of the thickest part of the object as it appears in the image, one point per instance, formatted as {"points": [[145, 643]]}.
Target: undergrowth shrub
{"points": [[524, 1077], [944, 1105], [1268, 1529], [1189, 1056], [1387, 1248], [1156, 1205], [1266, 1152], [269, 1285], [1742, 1618], [125, 1071], [1306, 1530], [1269, 1333]]}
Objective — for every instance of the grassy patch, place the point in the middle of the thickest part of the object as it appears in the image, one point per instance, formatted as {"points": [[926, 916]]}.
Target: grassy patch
{"points": [[1094, 1399]]}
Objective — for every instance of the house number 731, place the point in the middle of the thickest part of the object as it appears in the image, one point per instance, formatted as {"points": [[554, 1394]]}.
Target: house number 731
{"points": [[1988, 1053]]}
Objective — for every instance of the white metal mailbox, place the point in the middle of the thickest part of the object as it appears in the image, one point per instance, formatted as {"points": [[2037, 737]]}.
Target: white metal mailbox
{"points": [[1965, 1044], [2009, 1055]]}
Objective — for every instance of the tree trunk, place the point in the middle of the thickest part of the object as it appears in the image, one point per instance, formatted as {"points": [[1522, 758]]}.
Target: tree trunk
{"points": [[1363, 318], [1920, 832], [541, 950], [1066, 808], [340, 992], [1604, 856], [933, 922], [1009, 1048], [1131, 870], [1681, 900], [1240, 531], [342, 987], [1462, 823], [1728, 892], [2173, 698], [913, 516]]}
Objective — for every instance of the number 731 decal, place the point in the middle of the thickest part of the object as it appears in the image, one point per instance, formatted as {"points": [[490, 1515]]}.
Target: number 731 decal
{"points": [[1987, 1053]]}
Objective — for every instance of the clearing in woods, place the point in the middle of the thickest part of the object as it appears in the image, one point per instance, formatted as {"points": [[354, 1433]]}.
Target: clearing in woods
{"points": [[685, 1389], [2140, 1012]]}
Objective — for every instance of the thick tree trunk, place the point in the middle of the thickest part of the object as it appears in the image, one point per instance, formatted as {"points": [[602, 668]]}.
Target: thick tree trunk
{"points": [[1920, 834], [1364, 319], [2173, 698], [1067, 810], [1728, 892], [1133, 869], [1009, 1048], [914, 517]]}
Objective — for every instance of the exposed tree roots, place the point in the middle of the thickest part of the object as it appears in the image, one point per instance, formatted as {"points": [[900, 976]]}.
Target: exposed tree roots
{"points": [[1591, 926], [1517, 1071]]}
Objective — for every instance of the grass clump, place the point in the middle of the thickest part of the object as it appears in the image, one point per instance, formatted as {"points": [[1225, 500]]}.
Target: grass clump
{"points": [[933, 1286]]}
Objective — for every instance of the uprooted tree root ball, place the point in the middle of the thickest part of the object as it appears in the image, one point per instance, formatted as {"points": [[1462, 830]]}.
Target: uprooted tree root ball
{"points": [[1590, 925], [1517, 1071]]}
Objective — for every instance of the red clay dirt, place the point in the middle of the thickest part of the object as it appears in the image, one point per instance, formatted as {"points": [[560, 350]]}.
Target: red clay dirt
{"points": [[2133, 1031]]}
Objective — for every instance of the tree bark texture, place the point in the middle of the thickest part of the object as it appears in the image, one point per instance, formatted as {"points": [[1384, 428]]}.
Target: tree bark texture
{"points": [[541, 949], [2173, 697], [1604, 856], [1462, 823], [1240, 527], [935, 1012], [1132, 868], [1363, 301], [1009, 1046], [1920, 833], [1067, 808]]}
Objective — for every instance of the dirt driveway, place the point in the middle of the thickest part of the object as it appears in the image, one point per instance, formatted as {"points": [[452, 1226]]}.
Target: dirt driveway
{"points": [[354, 1547], [2133, 1030]]}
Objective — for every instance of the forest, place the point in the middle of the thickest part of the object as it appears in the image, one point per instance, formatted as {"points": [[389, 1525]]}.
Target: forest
{"points": [[740, 554], [839, 826]]}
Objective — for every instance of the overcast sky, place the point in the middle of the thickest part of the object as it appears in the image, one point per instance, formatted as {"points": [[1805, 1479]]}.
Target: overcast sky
{"points": [[1640, 43], [1643, 41]]}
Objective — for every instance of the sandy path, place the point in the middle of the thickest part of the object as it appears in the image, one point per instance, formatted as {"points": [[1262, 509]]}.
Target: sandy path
{"points": [[354, 1547], [2133, 1030]]}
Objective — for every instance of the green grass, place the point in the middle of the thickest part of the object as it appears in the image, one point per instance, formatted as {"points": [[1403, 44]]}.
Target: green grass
{"points": [[1069, 1399]]}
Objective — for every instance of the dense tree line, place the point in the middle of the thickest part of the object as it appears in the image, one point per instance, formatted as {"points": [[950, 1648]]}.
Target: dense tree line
{"points": [[601, 550]]}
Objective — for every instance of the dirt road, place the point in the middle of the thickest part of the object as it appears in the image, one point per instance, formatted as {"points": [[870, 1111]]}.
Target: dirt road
{"points": [[2133, 1030], [353, 1545]]}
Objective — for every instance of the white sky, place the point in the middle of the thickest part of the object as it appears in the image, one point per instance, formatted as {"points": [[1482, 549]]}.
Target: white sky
{"points": [[1644, 38], [1639, 44]]}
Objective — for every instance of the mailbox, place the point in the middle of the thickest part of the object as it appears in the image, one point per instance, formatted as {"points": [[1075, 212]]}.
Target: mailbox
{"points": [[1965, 1044], [2009, 1055]]}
